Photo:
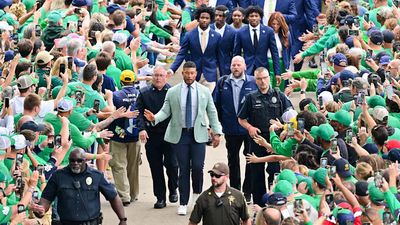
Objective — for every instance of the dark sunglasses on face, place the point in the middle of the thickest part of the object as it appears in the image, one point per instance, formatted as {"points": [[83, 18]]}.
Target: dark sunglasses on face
{"points": [[76, 160], [215, 175]]}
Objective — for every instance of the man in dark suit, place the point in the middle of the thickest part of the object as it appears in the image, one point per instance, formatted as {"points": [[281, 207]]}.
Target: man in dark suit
{"points": [[201, 46], [254, 40], [286, 7], [227, 39], [306, 17]]}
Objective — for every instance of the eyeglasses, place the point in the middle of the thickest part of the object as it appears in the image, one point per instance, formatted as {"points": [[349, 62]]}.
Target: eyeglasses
{"points": [[76, 160], [215, 175]]}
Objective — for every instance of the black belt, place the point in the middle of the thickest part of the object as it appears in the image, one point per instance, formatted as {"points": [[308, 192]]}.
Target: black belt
{"points": [[190, 129], [89, 222]]}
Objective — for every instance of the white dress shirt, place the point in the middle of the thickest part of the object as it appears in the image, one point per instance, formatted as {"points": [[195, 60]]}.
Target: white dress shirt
{"points": [[278, 45], [184, 92], [220, 31], [207, 34], [212, 3], [267, 10], [252, 33]]}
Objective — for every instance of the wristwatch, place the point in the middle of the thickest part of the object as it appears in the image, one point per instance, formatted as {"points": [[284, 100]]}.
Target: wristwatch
{"points": [[123, 219]]}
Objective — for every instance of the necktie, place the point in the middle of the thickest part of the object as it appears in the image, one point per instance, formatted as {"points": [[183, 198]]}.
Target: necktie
{"points": [[203, 43], [255, 39], [188, 116]]}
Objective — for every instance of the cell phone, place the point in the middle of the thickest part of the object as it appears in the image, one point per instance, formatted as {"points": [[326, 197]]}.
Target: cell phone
{"points": [[354, 32], [15, 37], [40, 169], [77, 10], [323, 162], [300, 124], [6, 102], [78, 96], [320, 102], [388, 76], [149, 7], [70, 61], [387, 218], [18, 160], [93, 33], [290, 127], [369, 54], [330, 201], [298, 206], [375, 82], [96, 105], [360, 98], [315, 29], [396, 3], [16, 51], [378, 180], [35, 196], [62, 69], [389, 92], [18, 183], [138, 11], [334, 146], [79, 24], [324, 68], [349, 136], [57, 140], [276, 177], [38, 31], [366, 17], [356, 22], [21, 208], [332, 172]]}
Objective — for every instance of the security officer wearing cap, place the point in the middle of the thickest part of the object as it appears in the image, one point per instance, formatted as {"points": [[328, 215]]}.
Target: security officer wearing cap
{"points": [[159, 152], [124, 145], [220, 204], [77, 188], [258, 108]]}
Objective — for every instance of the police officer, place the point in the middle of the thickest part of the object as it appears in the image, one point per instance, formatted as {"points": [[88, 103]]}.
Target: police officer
{"points": [[158, 151], [230, 90], [258, 109], [220, 204], [77, 188]]}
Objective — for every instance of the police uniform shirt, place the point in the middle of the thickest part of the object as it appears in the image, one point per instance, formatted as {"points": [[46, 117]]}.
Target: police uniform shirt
{"points": [[229, 209], [258, 108], [78, 194]]}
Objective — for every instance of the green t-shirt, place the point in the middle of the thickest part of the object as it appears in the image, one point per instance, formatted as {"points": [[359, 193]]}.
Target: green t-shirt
{"points": [[90, 95], [122, 60], [115, 74]]}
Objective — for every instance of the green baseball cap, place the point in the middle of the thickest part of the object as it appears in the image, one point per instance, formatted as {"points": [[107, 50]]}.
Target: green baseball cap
{"points": [[319, 176], [376, 100], [375, 194], [54, 16], [284, 187], [308, 181], [288, 175], [57, 89], [324, 131], [28, 4], [341, 116]]}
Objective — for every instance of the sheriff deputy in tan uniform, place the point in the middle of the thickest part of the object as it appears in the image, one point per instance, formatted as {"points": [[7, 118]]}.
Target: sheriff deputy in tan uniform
{"points": [[220, 204]]}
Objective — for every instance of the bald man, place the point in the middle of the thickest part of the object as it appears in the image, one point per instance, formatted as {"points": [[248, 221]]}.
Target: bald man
{"points": [[394, 68], [228, 96], [269, 216]]}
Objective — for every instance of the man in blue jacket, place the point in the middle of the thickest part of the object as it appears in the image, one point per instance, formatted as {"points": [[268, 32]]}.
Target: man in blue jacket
{"points": [[286, 7], [228, 96], [227, 39], [254, 40], [201, 46]]}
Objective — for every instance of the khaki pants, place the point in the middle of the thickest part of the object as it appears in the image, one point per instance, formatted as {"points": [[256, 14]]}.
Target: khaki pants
{"points": [[209, 85], [125, 168]]}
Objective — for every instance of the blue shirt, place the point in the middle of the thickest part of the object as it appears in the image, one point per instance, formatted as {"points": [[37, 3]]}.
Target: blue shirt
{"points": [[108, 83]]}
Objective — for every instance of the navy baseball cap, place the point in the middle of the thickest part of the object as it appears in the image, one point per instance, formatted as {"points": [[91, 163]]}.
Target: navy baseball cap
{"points": [[9, 55], [375, 36], [349, 20], [80, 3], [342, 168], [393, 155], [5, 3], [349, 41], [371, 148], [339, 60], [344, 216], [276, 199], [384, 60], [335, 78], [362, 188], [346, 75], [33, 126], [114, 7], [388, 36]]}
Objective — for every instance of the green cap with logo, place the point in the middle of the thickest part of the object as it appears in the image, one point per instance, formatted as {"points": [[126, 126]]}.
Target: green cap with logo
{"points": [[342, 116], [376, 100], [319, 176], [284, 187], [288, 175], [324, 131], [54, 16]]}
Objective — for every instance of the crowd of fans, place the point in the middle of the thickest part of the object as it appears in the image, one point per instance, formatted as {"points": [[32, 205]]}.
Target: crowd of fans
{"points": [[63, 61]]}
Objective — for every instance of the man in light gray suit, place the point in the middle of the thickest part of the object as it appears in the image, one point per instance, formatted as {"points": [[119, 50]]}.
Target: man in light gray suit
{"points": [[187, 130]]}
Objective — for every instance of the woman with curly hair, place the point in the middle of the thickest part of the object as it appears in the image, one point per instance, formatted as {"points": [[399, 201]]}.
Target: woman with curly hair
{"points": [[281, 29]]}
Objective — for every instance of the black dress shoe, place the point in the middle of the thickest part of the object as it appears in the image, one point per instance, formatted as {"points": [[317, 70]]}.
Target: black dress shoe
{"points": [[173, 197], [160, 204], [312, 63]]}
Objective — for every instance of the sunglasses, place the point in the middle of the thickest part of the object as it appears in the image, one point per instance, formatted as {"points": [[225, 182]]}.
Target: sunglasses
{"points": [[76, 160], [215, 175]]}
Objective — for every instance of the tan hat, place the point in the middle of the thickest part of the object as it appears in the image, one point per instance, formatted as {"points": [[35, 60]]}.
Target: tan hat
{"points": [[24, 82], [220, 169], [43, 57]]}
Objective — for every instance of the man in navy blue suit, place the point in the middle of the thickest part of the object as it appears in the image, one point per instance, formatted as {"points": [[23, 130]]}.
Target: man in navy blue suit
{"points": [[201, 46], [286, 7], [306, 17], [254, 40], [227, 39]]}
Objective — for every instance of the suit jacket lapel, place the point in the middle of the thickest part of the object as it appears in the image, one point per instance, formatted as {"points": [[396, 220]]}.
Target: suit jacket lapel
{"points": [[249, 33], [197, 39]]}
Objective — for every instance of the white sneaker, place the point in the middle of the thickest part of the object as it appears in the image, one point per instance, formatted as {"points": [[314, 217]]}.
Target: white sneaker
{"points": [[182, 210]]}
